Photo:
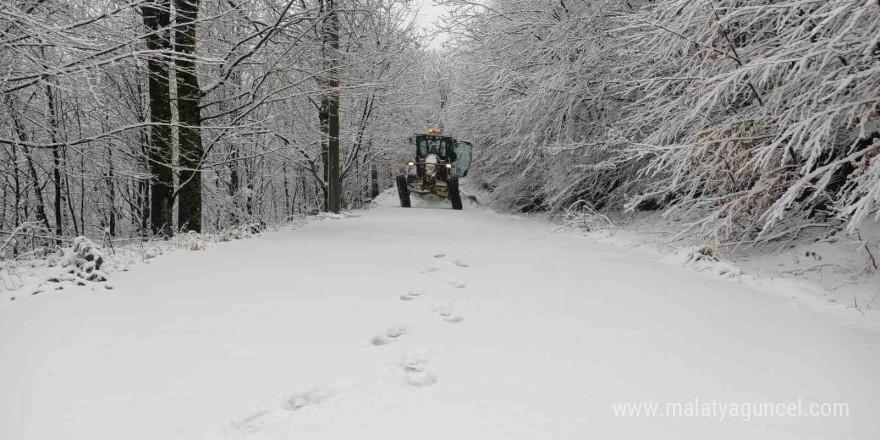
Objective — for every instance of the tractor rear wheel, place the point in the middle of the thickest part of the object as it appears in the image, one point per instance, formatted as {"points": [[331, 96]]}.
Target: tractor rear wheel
{"points": [[403, 191], [454, 193]]}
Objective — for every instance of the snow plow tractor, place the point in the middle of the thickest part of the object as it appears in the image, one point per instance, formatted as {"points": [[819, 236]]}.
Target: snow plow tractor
{"points": [[439, 163]]}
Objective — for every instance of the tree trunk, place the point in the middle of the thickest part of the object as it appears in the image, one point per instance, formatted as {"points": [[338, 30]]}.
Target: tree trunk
{"points": [[334, 180], [234, 186], [111, 193], [189, 96], [323, 120], [17, 179], [157, 17], [68, 196], [56, 159], [287, 200], [374, 175], [38, 192], [143, 186]]}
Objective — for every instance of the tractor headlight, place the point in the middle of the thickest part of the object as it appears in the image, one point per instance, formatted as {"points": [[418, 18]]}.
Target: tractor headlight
{"points": [[449, 166], [411, 163]]}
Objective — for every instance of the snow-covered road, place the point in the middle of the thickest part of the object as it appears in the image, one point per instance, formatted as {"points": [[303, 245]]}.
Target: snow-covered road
{"points": [[424, 324]]}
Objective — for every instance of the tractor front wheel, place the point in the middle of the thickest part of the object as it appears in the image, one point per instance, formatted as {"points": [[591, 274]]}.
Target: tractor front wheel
{"points": [[454, 193], [403, 191]]}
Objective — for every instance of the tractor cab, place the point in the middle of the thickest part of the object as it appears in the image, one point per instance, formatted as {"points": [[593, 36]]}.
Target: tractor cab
{"points": [[448, 151]]}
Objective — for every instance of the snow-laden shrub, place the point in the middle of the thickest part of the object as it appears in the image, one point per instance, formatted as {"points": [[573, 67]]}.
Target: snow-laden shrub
{"points": [[84, 260], [757, 116], [582, 215], [191, 241], [194, 241], [705, 258]]}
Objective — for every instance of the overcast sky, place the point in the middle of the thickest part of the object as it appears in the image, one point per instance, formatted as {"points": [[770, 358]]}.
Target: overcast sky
{"points": [[429, 16]]}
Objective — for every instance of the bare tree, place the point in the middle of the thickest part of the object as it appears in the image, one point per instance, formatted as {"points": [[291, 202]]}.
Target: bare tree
{"points": [[157, 17]]}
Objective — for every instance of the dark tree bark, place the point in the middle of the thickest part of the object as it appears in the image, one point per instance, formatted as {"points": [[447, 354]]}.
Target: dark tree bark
{"points": [[374, 176], [17, 188], [323, 120], [157, 16], [334, 177], [38, 192], [189, 97], [287, 200], [111, 193], [234, 185]]}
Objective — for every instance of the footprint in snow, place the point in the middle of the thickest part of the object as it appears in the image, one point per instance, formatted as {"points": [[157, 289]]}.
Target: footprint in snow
{"points": [[431, 270], [415, 365], [439, 255], [452, 281], [299, 400], [412, 294], [256, 422], [445, 312], [460, 264], [395, 331], [269, 418]]}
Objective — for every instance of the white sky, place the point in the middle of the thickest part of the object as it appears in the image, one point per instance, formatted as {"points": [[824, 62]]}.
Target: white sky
{"points": [[428, 17]]}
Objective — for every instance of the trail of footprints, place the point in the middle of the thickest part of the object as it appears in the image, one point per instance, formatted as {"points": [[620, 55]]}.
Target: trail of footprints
{"points": [[442, 310], [414, 363]]}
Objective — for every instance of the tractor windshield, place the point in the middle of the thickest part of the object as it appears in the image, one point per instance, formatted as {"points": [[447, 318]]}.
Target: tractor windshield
{"points": [[439, 145]]}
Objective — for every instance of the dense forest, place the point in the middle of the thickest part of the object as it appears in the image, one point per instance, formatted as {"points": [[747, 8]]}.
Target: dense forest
{"points": [[156, 116], [749, 119]]}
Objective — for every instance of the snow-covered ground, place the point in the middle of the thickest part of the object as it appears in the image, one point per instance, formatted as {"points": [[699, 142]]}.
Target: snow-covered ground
{"points": [[431, 324], [835, 274]]}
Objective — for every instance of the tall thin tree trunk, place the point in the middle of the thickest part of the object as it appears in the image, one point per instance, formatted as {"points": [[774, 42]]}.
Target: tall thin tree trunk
{"points": [[111, 193], [69, 191], [333, 93], [157, 16], [3, 206], [374, 174], [323, 120], [234, 185], [287, 200], [17, 181], [82, 192], [56, 159], [38, 192], [249, 184], [68, 196], [189, 96]]}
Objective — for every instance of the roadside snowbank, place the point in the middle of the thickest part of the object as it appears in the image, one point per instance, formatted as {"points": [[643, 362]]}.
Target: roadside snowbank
{"points": [[73, 268], [834, 275]]}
